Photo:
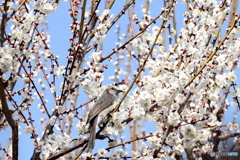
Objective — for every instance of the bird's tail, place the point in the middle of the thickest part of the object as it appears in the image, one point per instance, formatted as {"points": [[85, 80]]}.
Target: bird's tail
{"points": [[91, 140]]}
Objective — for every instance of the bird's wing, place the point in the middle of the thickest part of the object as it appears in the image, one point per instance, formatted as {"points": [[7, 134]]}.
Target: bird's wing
{"points": [[95, 110], [91, 140], [102, 103]]}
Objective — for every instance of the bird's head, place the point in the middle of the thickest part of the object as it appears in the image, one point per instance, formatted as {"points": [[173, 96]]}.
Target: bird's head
{"points": [[113, 90]]}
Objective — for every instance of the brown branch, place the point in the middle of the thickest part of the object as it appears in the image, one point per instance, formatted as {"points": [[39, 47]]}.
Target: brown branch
{"points": [[82, 20], [3, 23], [228, 136], [91, 20], [110, 4], [73, 10], [130, 141], [175, 26], [14, 126], [121, 13], [169, 129], [232, 12]]}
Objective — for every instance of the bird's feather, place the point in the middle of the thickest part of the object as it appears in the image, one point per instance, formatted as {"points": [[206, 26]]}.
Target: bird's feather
{"points": [[103, 102], [91, 140]]}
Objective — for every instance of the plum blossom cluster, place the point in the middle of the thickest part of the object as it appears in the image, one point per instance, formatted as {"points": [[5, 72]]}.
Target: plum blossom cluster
{"points": [[7, 61], [22, 29], [94, 77], [54, 144], [102, 27], [30, 129], [117, 154], [118, 126]]}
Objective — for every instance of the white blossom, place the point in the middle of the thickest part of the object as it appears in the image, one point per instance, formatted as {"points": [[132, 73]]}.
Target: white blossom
{"points": [[52, 120], [30, 130], [101, 153]]}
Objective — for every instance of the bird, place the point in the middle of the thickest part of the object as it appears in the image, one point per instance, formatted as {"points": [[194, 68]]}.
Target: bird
{"points": [[107, 98]]}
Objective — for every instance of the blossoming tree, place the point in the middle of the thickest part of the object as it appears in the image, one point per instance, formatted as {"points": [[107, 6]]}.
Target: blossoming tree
{"points": [[181, 80]]}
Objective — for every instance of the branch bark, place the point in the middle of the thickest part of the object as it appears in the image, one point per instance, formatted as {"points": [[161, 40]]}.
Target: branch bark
{"points": [[14, 126]]}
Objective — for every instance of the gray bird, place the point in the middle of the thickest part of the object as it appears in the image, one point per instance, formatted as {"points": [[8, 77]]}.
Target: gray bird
{"points": [[103, 102]]}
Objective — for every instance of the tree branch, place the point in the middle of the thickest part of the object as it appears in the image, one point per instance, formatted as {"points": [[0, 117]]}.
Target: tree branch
{"points": [[14, 126]]}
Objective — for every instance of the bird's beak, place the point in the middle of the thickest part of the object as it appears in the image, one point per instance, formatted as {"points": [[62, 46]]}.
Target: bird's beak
{"points": [[119, 91]]}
